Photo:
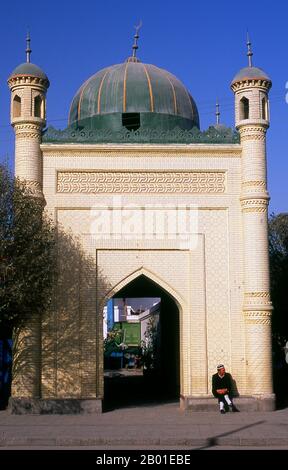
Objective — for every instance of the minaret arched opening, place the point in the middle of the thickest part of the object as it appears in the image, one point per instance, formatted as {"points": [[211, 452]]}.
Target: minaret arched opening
{"points": [[16, 106], [264, 103], [38, 107], [244, 108]]}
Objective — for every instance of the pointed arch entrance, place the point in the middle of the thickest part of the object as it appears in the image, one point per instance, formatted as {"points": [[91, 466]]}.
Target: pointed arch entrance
{"points": [[159, 381]]}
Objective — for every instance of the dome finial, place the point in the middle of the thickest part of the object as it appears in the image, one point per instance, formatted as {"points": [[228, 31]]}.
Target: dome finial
{"points": [[249, 53], [217, 113], [136, 37], [28, 49]]}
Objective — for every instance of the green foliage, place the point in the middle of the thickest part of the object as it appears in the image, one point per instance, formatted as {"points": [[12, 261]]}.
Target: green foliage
{"points": [[113, 342], [27, 256], [278, 250]]}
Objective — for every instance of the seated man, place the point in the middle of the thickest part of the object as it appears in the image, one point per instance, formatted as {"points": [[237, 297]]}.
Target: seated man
{"points": [[221, 388]]}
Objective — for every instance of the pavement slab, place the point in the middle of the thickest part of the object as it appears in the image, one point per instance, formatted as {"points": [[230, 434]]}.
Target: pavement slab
{"points": [[158, 426]]}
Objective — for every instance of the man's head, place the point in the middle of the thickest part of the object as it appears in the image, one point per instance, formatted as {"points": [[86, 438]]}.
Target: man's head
{"points": [[221, 370]]}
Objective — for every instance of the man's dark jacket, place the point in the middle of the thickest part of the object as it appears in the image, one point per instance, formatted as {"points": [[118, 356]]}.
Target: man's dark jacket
{"points": [[221, 382]]}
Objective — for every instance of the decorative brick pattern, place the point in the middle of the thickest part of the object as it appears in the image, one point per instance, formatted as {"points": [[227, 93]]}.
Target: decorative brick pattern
{"points": [[262, 184], [258, 346], [214, 225], [258, 295], [252, 133], [254, 205], [27, 127], [263, 318], [143, 182]]}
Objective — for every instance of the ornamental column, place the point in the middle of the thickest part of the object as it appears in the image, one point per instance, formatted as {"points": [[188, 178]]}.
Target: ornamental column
{"points": [[251, 86], [28, 85]]}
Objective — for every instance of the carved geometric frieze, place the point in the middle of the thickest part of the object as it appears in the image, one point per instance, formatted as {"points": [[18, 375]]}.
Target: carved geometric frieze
{"points": [[28, 127], [28, 131], [140, 182], [254, 205], [258, 183], [260, 317], [252, 137], [262, 294], [252, 133], [28, 135]]}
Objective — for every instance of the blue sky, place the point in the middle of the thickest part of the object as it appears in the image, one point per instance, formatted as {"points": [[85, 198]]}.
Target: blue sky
{"points": [[202, 43]]}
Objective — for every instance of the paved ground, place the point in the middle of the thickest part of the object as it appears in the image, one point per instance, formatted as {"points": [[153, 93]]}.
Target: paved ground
{"points": [[154, 426]]}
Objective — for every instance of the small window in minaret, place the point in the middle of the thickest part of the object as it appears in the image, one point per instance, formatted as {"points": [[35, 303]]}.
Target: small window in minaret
{"points": [[16, 106], [131, 121], [244, 108], [38, 106], [264, 108]]}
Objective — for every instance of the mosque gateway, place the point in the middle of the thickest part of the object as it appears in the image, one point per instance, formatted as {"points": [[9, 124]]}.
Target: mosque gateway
{"points": [[157, 208]]}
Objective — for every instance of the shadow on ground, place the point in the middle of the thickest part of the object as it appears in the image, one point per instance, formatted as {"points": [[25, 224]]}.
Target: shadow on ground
{"points": [[123, 391]]}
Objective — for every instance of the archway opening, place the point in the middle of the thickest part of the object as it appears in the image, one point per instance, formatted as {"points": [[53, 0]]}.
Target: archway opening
{"points": [[143, 366]]}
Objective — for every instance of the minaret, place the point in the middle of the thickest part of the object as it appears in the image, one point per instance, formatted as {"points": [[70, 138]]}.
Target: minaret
{"points": [[251, 86], [28, 85]]}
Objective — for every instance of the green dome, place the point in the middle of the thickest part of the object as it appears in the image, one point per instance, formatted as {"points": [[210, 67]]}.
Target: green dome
{"points": [[133, 95]]}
